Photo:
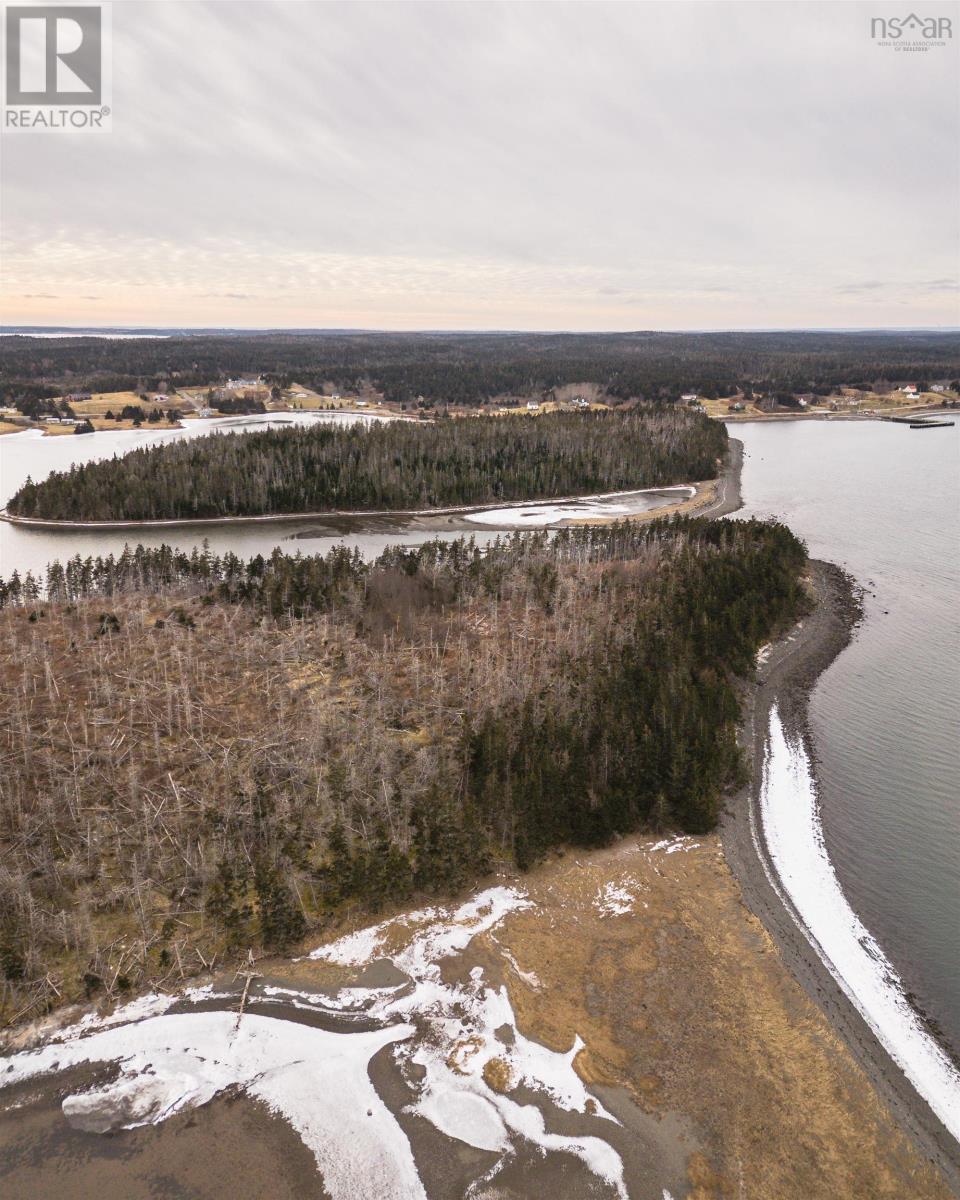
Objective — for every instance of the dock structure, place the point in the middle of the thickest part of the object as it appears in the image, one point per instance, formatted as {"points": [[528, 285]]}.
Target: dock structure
{"points": [[920, 421]]}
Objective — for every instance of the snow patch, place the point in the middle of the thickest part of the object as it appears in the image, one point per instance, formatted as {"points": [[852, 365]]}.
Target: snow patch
{"points": [[607, 504], [314, 1078], [545, 514], [673, 845], [614, 901], [444, 933], [793, 833], [318, 1080], [530, 978]]}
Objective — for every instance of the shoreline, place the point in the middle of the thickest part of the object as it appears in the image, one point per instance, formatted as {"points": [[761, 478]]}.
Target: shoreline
{"points": [[802, 415], [786, 680], [331, 514], [709, 498], [186, 420]]}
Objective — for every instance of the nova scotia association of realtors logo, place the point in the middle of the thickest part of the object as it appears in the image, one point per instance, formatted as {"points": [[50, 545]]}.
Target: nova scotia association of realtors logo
{"points": [[57, 67], [912, 32]]}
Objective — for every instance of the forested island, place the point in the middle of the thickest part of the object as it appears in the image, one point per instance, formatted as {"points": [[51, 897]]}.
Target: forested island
{"points": [[395, 465], [199, 754]]}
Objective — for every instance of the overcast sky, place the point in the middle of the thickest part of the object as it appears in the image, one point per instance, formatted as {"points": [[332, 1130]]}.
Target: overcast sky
{"points": [[525, 166]]}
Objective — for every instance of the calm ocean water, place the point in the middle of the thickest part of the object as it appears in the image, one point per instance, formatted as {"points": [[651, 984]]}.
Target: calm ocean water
{"points": [[31, 455], [883, 501]]}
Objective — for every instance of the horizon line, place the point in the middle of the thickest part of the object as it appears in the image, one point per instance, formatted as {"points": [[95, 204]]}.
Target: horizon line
{"points": [[24, 330]]}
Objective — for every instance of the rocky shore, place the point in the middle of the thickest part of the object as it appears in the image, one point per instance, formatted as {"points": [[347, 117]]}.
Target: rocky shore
{"points": [[786, 679]]}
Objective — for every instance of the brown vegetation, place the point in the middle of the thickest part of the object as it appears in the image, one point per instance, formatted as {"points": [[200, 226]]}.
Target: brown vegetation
{"points": [[184, 774], [685, 1002]]}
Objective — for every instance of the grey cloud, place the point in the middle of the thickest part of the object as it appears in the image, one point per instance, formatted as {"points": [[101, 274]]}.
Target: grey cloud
{"points": [[868, 285], [901, 285], [593, 165]]}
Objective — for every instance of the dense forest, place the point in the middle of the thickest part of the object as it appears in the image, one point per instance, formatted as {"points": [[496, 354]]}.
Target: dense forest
{"points": [[390, 465], [199, 754], [473, 368]]}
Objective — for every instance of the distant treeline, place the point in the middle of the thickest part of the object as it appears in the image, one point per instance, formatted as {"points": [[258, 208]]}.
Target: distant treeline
{"points": [[391, 465], [201, 752], [472, 369]]}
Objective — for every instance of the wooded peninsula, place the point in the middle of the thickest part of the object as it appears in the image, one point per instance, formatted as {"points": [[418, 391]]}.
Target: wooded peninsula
{"points": [[395, 465], [201, 754]]}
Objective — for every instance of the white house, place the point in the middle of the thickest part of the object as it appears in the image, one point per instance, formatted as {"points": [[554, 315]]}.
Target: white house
{"points": [[532, 405], [689, 397]]}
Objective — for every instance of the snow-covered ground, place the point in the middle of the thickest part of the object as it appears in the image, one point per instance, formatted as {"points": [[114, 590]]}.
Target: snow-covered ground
{"points": [[536, 515], [614, 900], [791, 826], [460, 1037], [614, 504]]}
